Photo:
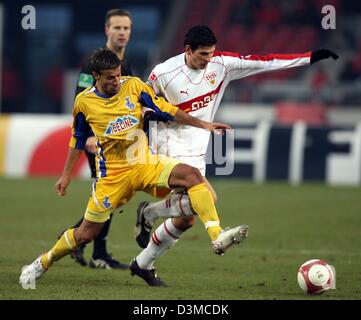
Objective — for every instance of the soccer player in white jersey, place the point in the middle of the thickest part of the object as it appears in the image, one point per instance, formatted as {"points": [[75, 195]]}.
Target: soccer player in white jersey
{"points": [[195, 81]]}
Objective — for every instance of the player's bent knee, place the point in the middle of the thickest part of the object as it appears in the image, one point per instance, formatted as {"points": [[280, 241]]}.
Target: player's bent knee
{"points": [[84, 236], [193, 177], [189, 221]]}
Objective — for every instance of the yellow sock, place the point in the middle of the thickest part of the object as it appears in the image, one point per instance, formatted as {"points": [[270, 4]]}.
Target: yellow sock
{"points": [[203, 205], [64, 246]]}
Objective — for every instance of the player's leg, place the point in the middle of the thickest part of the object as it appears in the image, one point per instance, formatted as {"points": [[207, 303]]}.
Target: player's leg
{"points": [[183, 223], [177, 204], [78, 223], [202, 203], [78, 253], [166, 235], [101, 258], [163, 240], [211, 190], [106, 196], [67, 243], [190, 178], [155, 182]]}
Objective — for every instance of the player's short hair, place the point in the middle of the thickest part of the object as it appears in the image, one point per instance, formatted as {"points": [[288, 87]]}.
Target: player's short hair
{"points": [[104, 59], [116, 12], [199, 36]]}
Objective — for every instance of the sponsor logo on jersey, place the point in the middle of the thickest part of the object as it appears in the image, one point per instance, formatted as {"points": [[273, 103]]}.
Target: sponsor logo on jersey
{"points": [[129, 104], [200, 102], [211, 77], [121, 124]]}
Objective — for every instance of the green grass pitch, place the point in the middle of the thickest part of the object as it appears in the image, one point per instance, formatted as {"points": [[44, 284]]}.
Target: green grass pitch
{"points": [[288, 225]]}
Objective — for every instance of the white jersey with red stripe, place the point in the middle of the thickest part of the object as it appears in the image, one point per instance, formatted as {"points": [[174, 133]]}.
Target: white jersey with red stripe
{"points": [[199, 92]]}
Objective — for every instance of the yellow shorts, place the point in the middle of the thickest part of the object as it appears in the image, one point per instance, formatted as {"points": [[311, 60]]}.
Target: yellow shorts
{"points": [[117, 189]]}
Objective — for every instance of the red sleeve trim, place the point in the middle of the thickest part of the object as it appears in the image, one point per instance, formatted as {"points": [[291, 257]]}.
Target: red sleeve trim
{"points": [[268, 57]]}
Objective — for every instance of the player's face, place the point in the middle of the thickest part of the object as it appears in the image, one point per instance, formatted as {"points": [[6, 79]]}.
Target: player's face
{"points": [[118, 31], [108, 81], [199, 58]]}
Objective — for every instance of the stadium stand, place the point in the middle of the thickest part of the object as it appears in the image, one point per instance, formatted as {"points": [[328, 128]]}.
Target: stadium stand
{"points": [[268, 26]]}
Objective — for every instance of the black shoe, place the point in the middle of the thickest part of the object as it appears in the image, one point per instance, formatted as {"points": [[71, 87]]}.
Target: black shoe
{"points": [[142, 228], [149, 276], [78, 255], [107, 262]]}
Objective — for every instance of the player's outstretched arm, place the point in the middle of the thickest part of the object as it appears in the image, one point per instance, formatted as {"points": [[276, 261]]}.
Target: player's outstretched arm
{"points": [[182, 117], [64, 180], [321, 54], [244, 66], [164, 111]]}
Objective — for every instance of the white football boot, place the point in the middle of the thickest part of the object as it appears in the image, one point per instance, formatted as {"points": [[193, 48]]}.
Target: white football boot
{"points": [[31, 272], [229, 237]]}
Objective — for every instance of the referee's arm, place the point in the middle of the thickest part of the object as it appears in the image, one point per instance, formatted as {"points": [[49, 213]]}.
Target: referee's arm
{"points": [[85, 78]]}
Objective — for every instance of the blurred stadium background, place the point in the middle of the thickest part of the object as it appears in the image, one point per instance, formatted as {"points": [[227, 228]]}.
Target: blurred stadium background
{"points": [[296, 126]]}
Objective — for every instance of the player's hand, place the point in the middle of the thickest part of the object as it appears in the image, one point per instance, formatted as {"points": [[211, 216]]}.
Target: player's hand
{"points": [[61, 185], [217, 127], [321, 54], [90, 145]]}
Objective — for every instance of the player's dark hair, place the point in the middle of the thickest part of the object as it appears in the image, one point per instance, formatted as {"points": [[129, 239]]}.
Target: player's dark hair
{"points": [[199, 36], [116, 12], [104, 59]]}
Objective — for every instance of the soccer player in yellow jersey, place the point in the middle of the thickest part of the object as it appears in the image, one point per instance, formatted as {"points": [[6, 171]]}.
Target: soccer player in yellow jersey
{"points": [[118, 27], [112, 109]]}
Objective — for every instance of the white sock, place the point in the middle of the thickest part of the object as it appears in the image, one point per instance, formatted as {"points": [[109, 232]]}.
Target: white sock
{"points": [[163, 238], [176, 205]]}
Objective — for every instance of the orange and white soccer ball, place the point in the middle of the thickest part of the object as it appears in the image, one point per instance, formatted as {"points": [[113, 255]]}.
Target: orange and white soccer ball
{"points": [[316, 276]]}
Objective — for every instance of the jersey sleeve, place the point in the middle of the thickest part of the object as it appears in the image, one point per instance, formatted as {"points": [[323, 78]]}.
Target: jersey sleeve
{"points": [[153, 81], [81, 130], [163, 109], [85, 78], [239, 66]]}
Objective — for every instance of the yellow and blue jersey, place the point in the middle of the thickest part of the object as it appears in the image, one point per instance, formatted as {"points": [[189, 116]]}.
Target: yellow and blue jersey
{"points": [[117, 123]]}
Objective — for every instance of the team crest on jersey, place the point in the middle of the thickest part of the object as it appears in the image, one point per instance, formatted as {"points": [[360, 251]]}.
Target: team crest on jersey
{"points": [[129, 104], [106, 203], [121, 124], [211, 78]]}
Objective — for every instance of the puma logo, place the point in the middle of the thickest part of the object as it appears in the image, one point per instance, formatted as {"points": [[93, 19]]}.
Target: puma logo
{"points": [[184, 91]]}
